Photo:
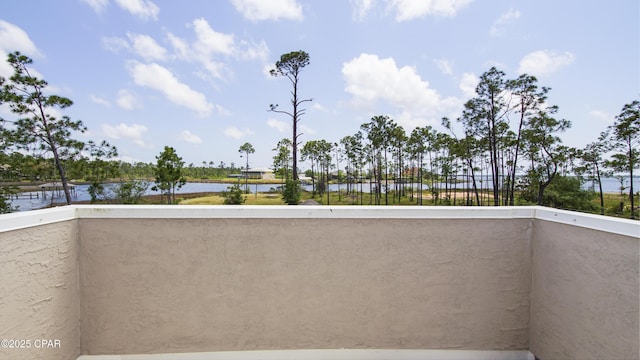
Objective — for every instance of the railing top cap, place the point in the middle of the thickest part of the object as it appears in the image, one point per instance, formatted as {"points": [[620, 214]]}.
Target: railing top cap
{"points": [[20, 220]]}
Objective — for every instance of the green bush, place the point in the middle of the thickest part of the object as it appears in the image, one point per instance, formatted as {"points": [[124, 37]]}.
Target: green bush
{"points": [[233, 195], [564, 192], [130, 191], [291, 193]]}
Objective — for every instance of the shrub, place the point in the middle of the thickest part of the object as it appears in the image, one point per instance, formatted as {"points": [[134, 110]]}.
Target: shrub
{"points": [[564, 192], [130, 192], [233, 196], [291, 193]]}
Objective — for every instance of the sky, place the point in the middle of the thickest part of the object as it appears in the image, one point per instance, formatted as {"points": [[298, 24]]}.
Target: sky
{"points": [[194, 74]]}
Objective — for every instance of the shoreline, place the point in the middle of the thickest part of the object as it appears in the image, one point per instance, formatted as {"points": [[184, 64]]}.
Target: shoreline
{"points": [[35, 186]]}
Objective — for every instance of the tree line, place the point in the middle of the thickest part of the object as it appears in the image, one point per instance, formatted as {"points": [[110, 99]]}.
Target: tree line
{"points": [[505, 148], [507, 141]]}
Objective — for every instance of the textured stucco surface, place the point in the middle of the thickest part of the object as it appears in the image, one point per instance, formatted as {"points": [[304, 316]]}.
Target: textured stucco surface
{"points": [[177, 285], [205, 281], [39, 294], [585, 288]]}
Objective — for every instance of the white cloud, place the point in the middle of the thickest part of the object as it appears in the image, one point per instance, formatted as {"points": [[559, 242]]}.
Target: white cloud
{"points": [[281, 126], [374, 82], [13, 38], [256, 10], [5, 69], [412, 9], [285, 127], [210, 41], [132, 132], [601, 116], [266, 70], [146, 47], [180, 46], [360, 9], [544, 62], [212, 48], [142, 45], [252, 50], [234, 132], [444, 65], [497, 29], [220, 110], [114, 44], [99, 100], [159, 78], [468, 85], [127, 100], [5, 110], [188, 136], [129, 159], [319, 107], [144, 9], [304, 129], [54, 112], [97, 5]]}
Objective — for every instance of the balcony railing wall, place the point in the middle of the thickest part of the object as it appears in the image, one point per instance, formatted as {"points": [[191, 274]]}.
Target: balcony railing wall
{"points": [[584, 296], [39, 286], [122, 280]]}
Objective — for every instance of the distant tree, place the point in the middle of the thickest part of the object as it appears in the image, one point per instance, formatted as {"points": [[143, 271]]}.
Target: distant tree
{"points": [[310, 152], [319, 153], [5, 202], [233, 196], [100, 167], [130, 191], [465, 149], [290, 65], [39, 129], [168, 173], [625, 140], [592, 161], [247, 149], [379, 133], [417, 147], [563, 192], [530, 99], [291, 192], [282, 158], [6, 169], [397, 144], [544, 150], [354, 152], [485, 117]]}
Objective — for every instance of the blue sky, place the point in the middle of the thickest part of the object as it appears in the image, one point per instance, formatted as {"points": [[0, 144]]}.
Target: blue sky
{"points": [[194, 74]]}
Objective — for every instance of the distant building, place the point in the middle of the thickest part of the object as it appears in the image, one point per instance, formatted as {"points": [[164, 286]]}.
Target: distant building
{"points": [[258, 173], [305, 180]]}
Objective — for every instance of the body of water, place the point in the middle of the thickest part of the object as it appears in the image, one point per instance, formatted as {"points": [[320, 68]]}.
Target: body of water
{"points": [[24, 203]]}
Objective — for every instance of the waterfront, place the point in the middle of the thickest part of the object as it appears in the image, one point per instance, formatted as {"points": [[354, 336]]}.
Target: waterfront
{"points": [[35, 199]]}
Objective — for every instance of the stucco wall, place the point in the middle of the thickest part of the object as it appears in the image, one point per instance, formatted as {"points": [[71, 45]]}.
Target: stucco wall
{"points": [[39, 296], [178, 279], [585, 288], [177, 285]]}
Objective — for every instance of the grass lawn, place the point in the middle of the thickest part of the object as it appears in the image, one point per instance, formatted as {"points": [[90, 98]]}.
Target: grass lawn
{"points": [[251, 199], [334, 199], [612, 201]]}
